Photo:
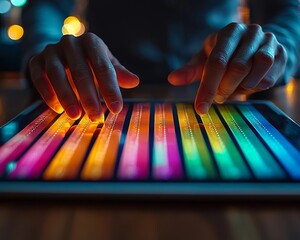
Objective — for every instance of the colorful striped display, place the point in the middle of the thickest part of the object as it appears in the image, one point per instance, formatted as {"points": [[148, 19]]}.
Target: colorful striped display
{"points": [[34, 161], [166, 159], [102, 158], [258, 157], [153, 141], [134, 162], [17, 145], [229, 160], [66, 163], [198, 161], [286, 153]]}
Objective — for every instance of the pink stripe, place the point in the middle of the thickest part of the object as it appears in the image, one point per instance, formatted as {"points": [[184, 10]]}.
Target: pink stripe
{"points": [[134, 163], [173, 156], [168, 165], [17, 145], [143, 159], [35, 159]]}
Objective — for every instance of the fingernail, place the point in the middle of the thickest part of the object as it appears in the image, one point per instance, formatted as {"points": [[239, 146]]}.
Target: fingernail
{"points": [[115, 107], [219, 99], [249, 85], [263, 85], [73, 111], [202, 108]]}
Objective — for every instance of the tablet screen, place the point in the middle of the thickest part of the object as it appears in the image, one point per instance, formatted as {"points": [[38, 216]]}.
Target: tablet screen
{"points": [[157, 142]]}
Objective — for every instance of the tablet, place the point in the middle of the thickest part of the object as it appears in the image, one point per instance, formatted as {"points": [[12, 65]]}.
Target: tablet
{"points": [[153, 149]]}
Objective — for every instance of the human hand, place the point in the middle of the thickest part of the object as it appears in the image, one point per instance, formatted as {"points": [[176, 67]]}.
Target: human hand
{"points": [[70, 74], [238, 59]]}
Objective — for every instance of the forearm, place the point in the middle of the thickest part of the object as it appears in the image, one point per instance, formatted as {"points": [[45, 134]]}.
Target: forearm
{"points": [[282, 18]]}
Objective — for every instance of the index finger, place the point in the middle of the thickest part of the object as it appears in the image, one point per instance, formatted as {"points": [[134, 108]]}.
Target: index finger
{"points": [[97, 54], [216, 64]]}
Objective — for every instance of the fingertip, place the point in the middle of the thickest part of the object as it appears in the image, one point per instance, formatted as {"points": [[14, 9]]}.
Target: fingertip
{"points": [[73, 111], [127, 79], [115, 106], [134, 81], [177, 77], [219, 99], [202, 108], [183, 76], [172, 78], [96, 116], [58, 108]]}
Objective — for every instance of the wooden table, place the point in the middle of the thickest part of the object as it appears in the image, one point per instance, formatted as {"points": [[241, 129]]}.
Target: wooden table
{"points": [[57, 219]]}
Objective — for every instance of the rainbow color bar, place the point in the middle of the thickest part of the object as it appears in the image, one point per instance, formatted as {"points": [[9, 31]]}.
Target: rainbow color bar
{"points": [[37, 157], [198, 161], [134, 162], [166, 158], [102, 158], [259, 159], [286, 153], [13, 149], [66, 163], [229, 160]]}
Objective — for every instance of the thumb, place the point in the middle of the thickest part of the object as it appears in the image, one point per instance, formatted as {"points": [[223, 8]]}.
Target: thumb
{"points": [[126, 78], [190, 72]]}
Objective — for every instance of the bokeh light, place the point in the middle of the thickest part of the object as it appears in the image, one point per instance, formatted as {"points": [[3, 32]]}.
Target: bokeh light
{"points": [[73, 26], [15, 32], [290, 87], [4, 6], [18, 3]]}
